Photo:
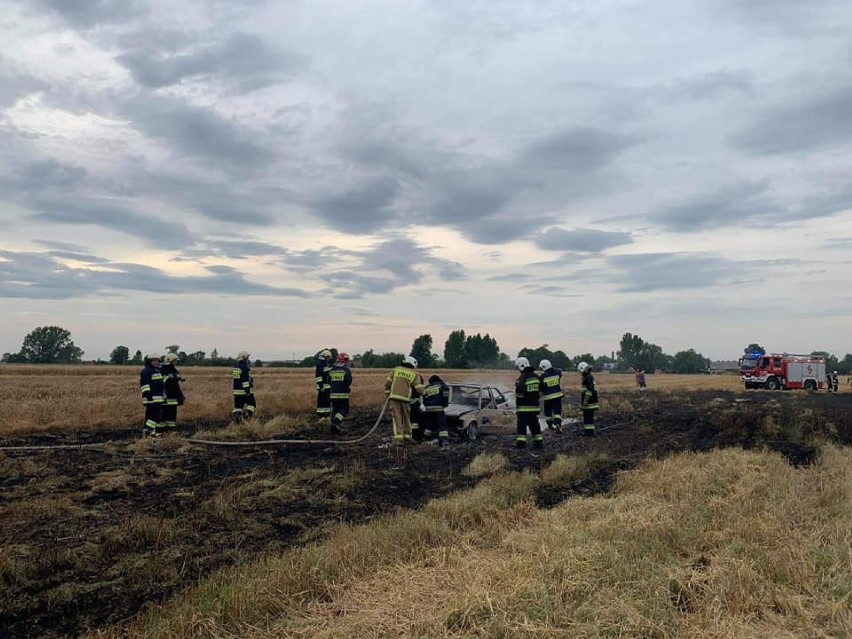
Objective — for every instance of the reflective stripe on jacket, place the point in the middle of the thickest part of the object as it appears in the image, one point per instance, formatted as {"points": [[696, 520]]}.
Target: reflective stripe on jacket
{"points": [[242, 378], [589, 393], [340, 381], [402, 383], [151, 385], [436, 397], [527, 391], [550, 384]]}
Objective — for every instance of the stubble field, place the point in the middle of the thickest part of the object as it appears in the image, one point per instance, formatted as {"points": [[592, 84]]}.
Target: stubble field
{"points": [[699, 510]]}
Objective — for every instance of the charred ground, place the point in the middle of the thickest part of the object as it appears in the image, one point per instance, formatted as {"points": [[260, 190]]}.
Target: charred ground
{"points": [[91, 537]]}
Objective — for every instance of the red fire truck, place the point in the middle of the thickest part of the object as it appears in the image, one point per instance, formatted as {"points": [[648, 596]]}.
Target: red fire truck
{"points": [[782, 371]]}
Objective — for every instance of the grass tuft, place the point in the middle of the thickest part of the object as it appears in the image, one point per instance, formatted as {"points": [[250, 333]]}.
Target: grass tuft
{"points": [[486, 464]]}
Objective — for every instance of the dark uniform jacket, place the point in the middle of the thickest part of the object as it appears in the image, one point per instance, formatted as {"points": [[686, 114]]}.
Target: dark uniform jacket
{"points": [[589, 393], [436, 396], [151, 385], [171, 383], [340, 380], [527, 391], [551, 384], [242, 378], [321, 372]]}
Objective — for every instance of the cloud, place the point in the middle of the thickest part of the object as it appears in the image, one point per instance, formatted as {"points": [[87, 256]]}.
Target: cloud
{"points": [[648, 272], [243, 61], [581, 149], [731, 205], [89, 13], [703, 87], [365, 208], [814, 123], [581, 240], [198, 132], [15, 85], [44, 276]]}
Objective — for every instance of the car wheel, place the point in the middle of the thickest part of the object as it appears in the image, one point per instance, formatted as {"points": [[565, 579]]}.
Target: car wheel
{"points": [[472, 432], [810, 385], [772, 384]]}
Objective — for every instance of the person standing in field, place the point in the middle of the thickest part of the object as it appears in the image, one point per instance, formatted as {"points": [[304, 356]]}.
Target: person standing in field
{"points": [[835, 382], [340, 383], [151, 385], [527, 394], [400, 387], [244, 401], [173, 393], [436, 397], [640, 379], [551, 393], [416, 413], [323, 367], [588, 398]]}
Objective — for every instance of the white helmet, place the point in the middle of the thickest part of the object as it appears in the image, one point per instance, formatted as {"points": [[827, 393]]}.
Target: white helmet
{"points": [[545, 364], [410, 360], [583, 366], [325, 353], [834, 373], [153, 356], [521, 363], [171, 356], [243, 355]]}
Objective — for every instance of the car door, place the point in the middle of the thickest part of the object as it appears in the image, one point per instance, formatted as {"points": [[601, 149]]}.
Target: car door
{"points": [[505, 411], [489, 417]]}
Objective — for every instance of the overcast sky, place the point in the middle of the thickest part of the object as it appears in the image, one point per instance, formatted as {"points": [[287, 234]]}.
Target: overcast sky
{"points": [[284, 175]]}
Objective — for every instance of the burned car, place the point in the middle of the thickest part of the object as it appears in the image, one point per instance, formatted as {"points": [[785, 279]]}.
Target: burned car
{"points": [[476, 409]]}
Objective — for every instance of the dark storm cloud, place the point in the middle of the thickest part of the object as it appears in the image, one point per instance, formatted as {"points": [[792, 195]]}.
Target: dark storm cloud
{"points": [[89, 13], [817, 122], [244, 61], [365, 208], [581, 149], [46, 174], [581, 240], [42, 276], [198, 132], [502, 229], [152, 230], [729, 206], [677, 271]]}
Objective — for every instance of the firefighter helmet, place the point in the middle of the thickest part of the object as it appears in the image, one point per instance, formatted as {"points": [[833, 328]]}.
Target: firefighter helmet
{"points": [[545, 364], [325, 353], [153, 356], [243, 355], [342, 358], [410, 359], [171, 357], [522, 363], [583, 367]]}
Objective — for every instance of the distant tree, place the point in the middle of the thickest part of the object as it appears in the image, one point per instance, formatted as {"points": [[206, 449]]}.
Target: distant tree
{"points": [[120, 355], [636, 353], [689, 362], [214, 354], [481, 350], [560, 360], [754, 348], [173, 348], [50, 345], [381, 360], [258, 363], [454, 350], [13, 358], [586, 357], [193, 359], [136, 360], [421, 350]]}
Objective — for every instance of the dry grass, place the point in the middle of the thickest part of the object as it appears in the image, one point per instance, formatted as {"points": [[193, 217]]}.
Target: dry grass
{"points": [[45, 398], [486, 464], [566, 469], [730, 544]]}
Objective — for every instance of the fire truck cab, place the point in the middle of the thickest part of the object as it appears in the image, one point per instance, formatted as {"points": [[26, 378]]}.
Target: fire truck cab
{"points": [[782, 371]]}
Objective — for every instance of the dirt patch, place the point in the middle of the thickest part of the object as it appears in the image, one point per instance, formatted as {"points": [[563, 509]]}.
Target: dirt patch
{"points": [[92, 537]]}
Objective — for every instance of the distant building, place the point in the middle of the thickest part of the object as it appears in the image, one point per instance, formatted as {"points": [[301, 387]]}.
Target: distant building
{"points": [[725, 366]]}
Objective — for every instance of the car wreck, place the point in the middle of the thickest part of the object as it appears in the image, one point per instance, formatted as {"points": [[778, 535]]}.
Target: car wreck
{"points": [[477, 409]]}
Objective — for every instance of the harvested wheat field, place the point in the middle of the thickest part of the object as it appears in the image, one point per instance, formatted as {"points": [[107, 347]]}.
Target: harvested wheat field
{"points": [[694, 513]]}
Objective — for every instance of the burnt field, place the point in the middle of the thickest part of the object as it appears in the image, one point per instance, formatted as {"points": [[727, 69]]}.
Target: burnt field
{"points": [[91, 537]]}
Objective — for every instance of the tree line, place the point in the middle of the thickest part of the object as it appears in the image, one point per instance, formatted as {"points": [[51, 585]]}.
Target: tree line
{"points": [[53, 345]]}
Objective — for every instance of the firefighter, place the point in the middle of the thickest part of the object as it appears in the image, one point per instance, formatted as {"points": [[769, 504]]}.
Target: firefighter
{"points": [[151, 385], [415, 413], [400, 387], [436, 397], [527, 394], [244, 402], [340, 381], [640, 379], [835, 382], [551, 393], [588, 398], [173, 393], [323, 366]]}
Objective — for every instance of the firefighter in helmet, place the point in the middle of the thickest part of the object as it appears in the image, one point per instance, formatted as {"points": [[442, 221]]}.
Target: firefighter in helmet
{"points": [[400, 387], [436, 397], [835, 382], [323, 366], [173, 393], [151, 385], [527, 394], [244, 401], [588, 398], [340, 382], [551, 393]]}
